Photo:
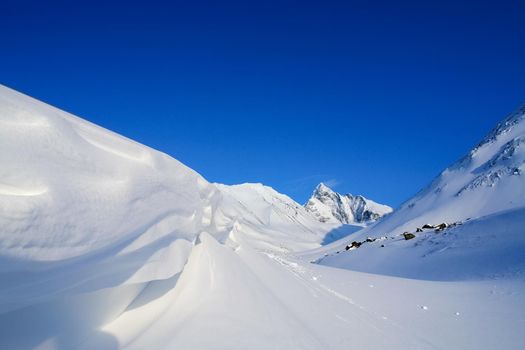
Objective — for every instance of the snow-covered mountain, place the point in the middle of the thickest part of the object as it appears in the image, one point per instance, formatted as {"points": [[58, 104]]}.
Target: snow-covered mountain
{"points": [[329, 206], [488, 180], [270, 220], [108, 244], [482, 198]]}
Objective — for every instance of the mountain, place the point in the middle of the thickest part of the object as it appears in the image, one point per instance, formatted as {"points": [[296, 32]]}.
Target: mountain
{"points": [[481, 198], [487, 180], [329, 206], [271, 220], [108, 244]]}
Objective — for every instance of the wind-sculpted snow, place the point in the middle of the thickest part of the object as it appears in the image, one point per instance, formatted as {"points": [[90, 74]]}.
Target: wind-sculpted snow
{"points": [[84, 208]]}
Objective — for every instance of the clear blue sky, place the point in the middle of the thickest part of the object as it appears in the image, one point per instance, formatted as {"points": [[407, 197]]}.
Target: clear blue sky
{"points": [[374, 97]]}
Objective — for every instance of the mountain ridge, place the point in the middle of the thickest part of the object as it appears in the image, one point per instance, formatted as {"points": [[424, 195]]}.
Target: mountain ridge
{"points": [[329, 206]]}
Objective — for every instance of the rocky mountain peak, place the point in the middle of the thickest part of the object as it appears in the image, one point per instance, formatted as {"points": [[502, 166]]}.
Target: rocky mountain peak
{"points": [[329, 206]]}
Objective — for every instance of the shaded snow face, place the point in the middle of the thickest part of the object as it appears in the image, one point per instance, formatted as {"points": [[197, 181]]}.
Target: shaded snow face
{"points": [[329, 206]]}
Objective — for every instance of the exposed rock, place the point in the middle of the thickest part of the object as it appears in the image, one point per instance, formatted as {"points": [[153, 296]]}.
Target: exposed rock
{"points": [[354, 244], [441, 227], [408, 236]]}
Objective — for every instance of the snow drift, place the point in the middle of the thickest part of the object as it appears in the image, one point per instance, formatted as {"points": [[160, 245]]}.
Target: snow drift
{"points": [[89, 218]]}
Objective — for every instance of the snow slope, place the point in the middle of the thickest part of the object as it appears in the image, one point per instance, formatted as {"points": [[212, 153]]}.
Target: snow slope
{"points": [[483, 194], [489, 179], [329, 206], [490, 247], [108, 244]]}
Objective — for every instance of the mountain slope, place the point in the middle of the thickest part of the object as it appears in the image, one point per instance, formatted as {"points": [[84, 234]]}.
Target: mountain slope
{"points": [[489, 179], [329, 206], [482, 196]]}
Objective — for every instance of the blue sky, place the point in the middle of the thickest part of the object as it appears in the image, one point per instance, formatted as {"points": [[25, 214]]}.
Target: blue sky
{"points": [[371, 97]]}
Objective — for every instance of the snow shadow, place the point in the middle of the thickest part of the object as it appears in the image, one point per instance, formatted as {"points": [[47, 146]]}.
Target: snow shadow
{"points": [[340, 232], [64, 323], [154, 290]]}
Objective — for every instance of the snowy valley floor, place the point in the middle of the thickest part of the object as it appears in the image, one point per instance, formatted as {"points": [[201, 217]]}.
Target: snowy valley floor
{"points": [[237, 298]]}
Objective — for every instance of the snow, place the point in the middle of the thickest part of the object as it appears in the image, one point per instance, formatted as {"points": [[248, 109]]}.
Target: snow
{"points": [[108, 244], [272, 220], [489, 247], [329, 206], [84, 208], [486, 181]]}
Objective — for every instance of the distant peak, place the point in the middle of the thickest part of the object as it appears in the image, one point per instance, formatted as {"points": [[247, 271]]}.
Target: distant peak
{"points": [[329, 206], [322, 188]]}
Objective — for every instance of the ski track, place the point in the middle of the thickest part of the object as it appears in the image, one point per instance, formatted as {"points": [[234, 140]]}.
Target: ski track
{"points": [[308, 278]]}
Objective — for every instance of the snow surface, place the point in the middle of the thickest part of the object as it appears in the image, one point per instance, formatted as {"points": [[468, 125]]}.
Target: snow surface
{"points": [[108, 244]]}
